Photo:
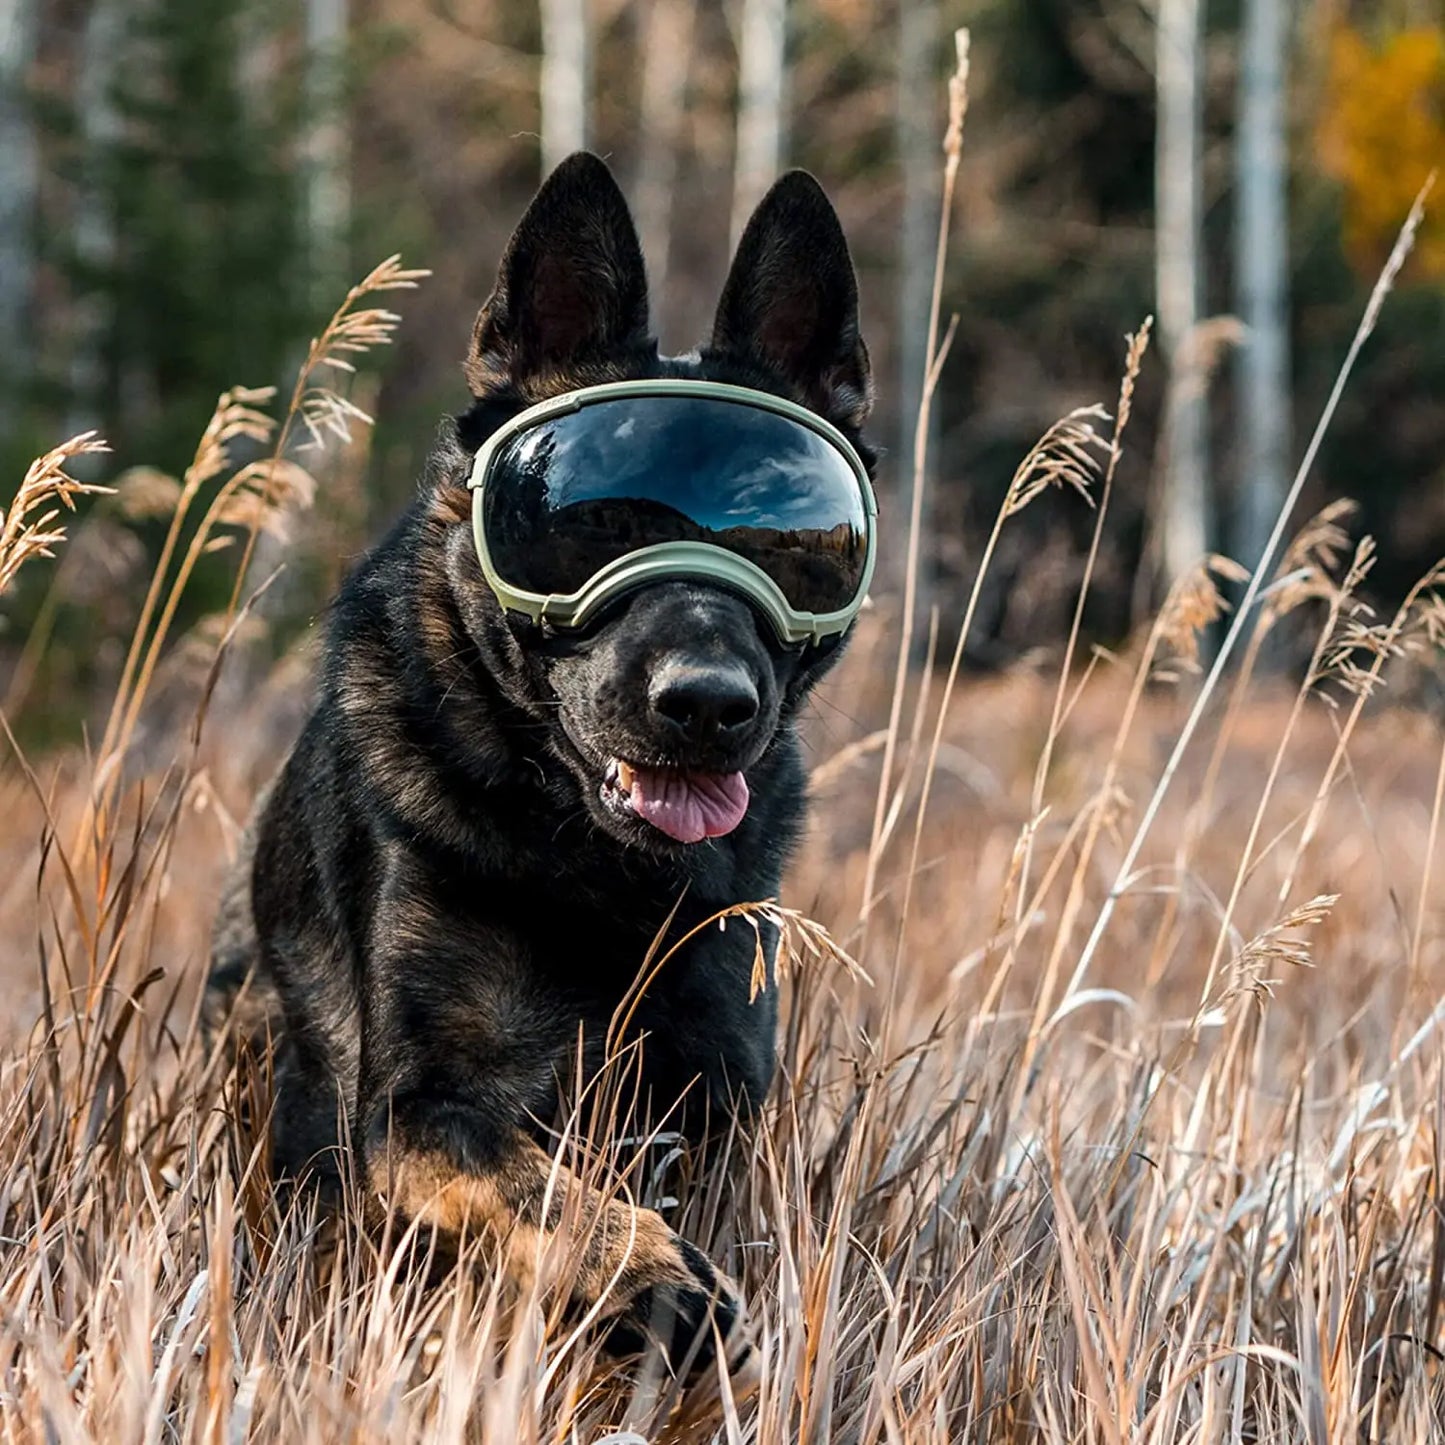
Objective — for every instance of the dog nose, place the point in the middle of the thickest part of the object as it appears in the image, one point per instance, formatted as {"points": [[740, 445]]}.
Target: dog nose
{"points": [[705, 704]]}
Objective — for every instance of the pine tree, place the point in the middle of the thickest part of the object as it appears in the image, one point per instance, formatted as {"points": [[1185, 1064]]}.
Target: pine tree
{"points": [[199, 184]]}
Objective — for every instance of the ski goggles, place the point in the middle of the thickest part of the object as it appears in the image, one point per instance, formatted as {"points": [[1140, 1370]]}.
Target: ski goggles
{"points": [[587, 496]]}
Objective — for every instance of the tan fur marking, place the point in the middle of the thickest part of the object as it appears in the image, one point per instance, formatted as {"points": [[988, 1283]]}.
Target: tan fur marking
{"points": [[451, 505], [613, 1243], [434, 622], [488, 374]]}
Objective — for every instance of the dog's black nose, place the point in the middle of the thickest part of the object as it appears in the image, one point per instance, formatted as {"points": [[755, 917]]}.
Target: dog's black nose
{"points": [[704, 704]]}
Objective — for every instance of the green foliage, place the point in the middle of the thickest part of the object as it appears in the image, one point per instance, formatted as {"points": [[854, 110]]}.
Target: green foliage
{"points": [[193, 188], [183, 265]]}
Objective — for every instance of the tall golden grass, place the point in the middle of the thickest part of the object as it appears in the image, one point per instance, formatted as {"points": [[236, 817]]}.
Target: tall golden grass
{"points": [[1131, 1132]]}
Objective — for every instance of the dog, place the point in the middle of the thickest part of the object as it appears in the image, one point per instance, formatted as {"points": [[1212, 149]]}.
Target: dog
{"points": [[445, 889]]}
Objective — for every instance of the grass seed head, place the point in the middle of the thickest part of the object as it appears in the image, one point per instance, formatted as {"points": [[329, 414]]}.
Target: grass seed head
{"points": [[29, 526]]}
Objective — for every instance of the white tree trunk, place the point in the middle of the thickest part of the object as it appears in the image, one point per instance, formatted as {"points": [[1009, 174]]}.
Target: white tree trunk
{"points": [[1185, 504], [325, 154], [326, 148], [667, 32], [565, 79], [762, 55], [916, 121], [1261, 268], [94, 234], [19, 170]]}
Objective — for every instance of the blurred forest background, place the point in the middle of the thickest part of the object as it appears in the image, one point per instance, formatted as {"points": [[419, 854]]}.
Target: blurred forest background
{"points": [[187, 188]]}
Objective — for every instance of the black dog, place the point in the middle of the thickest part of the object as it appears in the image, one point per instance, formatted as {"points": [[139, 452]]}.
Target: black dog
{"points": [[441, 892]]}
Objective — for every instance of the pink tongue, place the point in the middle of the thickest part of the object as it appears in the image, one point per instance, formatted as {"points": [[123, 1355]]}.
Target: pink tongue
{"points": [[690, 806]]}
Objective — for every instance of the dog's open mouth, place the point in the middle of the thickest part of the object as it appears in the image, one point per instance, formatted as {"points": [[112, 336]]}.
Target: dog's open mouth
{"points": [[687, 806]]}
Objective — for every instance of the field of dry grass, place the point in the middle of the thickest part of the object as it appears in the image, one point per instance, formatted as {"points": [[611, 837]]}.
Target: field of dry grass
{"points": [[1200, 1202], [1130, 1132]]}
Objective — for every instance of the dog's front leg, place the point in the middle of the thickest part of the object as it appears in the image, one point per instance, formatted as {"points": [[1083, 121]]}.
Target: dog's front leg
{"points": [[650, 1283], [459, 1046]]}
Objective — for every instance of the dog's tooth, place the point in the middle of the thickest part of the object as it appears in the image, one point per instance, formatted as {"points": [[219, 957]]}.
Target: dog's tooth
{"points": [[625, 775], [610, 775]]}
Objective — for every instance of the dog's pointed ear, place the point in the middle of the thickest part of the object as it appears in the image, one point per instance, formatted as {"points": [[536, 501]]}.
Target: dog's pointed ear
{"points": [[571, 286], [791, 302]]}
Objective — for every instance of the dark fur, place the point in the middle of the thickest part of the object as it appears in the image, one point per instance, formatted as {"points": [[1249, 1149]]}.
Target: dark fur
{"points": [[434, 899]]}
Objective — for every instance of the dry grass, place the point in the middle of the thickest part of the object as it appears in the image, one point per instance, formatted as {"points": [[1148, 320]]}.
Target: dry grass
{"points": [[1175, 1209], [1131, 1132], [28, 526], [1198, 1195]]}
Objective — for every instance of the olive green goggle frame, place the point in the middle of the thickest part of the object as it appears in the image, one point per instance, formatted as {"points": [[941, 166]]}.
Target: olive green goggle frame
{"points": [[665, 560]]}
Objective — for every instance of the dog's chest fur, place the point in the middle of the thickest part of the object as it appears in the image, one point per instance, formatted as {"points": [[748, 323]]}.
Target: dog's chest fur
{"points": [[424, 804]]}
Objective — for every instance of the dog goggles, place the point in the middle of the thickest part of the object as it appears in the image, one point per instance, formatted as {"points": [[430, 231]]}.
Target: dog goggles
{"points": [[589, 495]]}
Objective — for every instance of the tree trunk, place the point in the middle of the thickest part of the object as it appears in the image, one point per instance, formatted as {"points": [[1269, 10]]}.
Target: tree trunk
{"points": [[1185, 505], [1261, 270], [916, 123], [565, 79], [325, 145], [325, 151], [762, 52], [19, 170], [92, 319], [667, 31]]}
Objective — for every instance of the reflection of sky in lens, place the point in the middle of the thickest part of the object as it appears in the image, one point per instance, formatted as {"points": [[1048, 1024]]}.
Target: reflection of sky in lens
{"points": [[571, 496], [722, 463]]}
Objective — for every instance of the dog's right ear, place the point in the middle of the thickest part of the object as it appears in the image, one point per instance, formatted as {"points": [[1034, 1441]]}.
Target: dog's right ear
{"points": [[791, 302], [571, 287]]}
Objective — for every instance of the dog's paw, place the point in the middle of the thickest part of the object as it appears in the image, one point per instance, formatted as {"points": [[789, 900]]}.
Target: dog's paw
{"points": [[684, 1319]]}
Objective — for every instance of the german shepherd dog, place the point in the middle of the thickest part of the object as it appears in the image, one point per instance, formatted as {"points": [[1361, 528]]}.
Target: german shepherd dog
{"points": [[438, 898]]}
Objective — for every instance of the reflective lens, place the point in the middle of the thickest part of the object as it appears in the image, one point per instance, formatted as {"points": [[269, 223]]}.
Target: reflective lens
{"points": [[570, 495]]}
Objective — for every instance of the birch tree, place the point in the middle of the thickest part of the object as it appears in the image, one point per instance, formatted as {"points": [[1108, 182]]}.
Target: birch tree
{"points": [[667, 44], [762, 53], [325, 146], [1261, 269], [916, 131], [326, 192], [1185, 506], [18, 173], [566, 73], [93, 313]]}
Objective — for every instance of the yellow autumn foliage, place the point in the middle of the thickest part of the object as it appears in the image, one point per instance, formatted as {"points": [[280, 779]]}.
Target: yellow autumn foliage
{"points": [[1381, 132]]}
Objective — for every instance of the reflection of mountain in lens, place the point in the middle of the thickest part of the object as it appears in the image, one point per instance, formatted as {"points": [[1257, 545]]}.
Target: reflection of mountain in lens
{"points": [[817, 569], [585, 536]]}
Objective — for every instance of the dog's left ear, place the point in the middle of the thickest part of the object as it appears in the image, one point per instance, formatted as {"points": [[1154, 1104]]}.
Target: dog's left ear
{"points": [[791, 302], [571, 287]]}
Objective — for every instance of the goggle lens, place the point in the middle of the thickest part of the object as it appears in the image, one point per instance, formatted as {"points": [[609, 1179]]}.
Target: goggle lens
{"points": [[575, 492]]}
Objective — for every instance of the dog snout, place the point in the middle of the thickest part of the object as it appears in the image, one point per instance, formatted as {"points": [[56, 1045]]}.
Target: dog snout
{"points": [[704, 704]]}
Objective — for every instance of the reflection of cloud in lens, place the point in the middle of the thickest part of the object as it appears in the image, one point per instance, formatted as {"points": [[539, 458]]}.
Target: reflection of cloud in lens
{"points": [[721, 464], [778, 492]]}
